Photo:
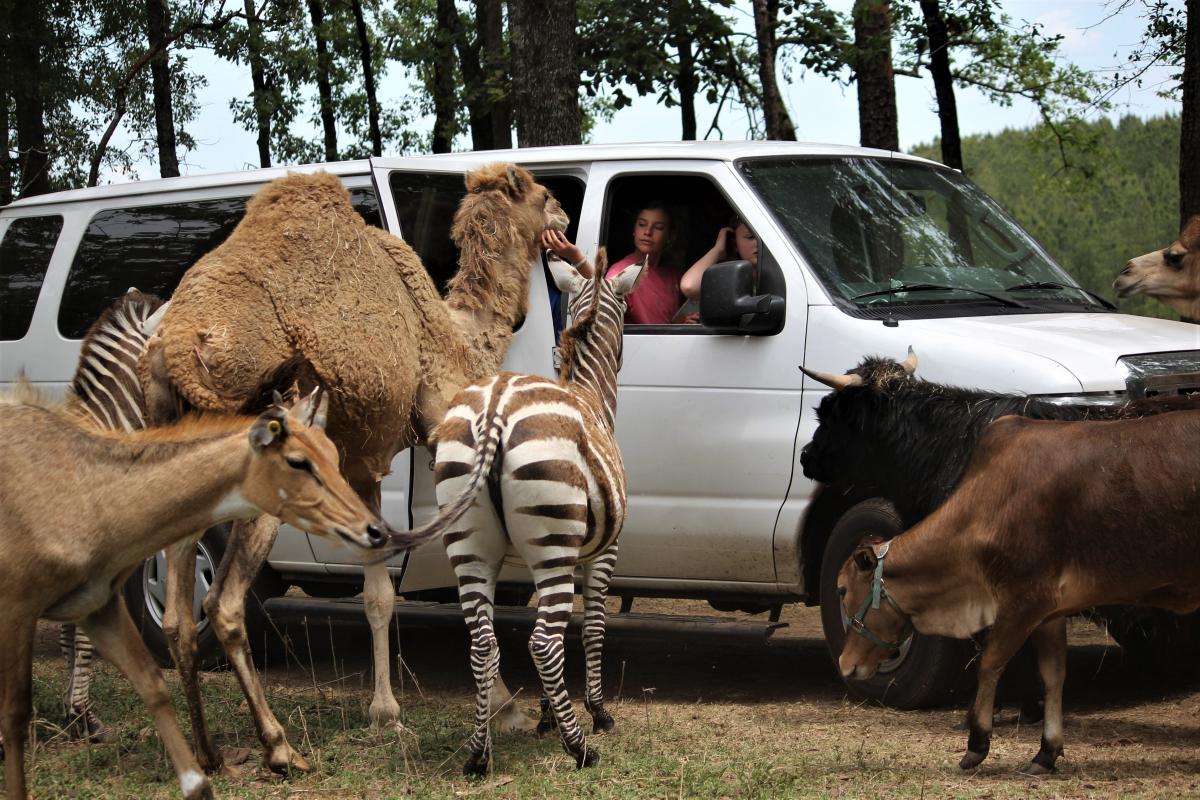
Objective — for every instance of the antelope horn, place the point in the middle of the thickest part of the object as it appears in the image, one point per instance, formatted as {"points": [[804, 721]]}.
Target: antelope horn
{"points": [[910, 364], [835, 382]]}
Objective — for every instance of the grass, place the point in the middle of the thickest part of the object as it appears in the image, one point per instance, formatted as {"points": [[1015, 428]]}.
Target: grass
{"points": [[693, 721]]}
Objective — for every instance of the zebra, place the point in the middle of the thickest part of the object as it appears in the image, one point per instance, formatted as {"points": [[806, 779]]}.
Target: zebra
{"points": [[106, 393], [547, 454]]}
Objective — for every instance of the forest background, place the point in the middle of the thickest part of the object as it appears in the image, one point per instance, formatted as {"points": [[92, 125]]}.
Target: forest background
{"points": [[93, 91]]}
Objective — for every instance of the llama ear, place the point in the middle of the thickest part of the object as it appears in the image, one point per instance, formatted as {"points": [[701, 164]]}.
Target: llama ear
{"points": [[270, 428], [566, 277], [628, 279], [519, 181], [313, 410]]}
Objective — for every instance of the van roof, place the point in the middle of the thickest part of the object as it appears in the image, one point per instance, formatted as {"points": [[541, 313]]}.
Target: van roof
{"points": [[531, 156]]}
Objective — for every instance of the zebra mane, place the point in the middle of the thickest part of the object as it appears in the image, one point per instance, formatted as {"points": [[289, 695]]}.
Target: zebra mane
{"points": [[134, 306], [581, 328]]}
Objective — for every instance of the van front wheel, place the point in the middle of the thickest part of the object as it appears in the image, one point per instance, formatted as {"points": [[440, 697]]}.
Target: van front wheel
{"points": [[930, 670]]}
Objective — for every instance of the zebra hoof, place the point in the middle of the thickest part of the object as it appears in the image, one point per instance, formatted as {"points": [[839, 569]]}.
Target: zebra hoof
{"points": [[476, 766], [87, 727], [588, 758], [545, 726], [602, 721]]}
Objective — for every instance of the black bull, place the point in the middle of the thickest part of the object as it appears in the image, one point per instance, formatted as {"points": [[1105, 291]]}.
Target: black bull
{"points": [[886, 434]]}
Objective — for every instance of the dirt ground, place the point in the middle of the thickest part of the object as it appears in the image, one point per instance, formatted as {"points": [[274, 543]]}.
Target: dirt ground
{"points": [[708, 697]]}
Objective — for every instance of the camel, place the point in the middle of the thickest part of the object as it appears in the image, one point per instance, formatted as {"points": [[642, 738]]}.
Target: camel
{"points": [[1171, 275], [80, 508], [302, 274]]}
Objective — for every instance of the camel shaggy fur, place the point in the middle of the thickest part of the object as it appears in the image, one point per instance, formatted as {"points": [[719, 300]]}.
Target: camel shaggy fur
{"points": [[1171, 275], [303, 275]]}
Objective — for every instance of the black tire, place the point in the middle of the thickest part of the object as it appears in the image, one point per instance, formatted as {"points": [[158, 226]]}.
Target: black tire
{"points": [[930, 670], [144, 593]]}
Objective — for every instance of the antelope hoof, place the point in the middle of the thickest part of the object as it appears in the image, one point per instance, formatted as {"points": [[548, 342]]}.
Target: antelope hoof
{"points": [[476, 766], [283, 760], [195, 786], [514, 720], [384, 714], [970, 760], [588, 758], [1035, 770]]}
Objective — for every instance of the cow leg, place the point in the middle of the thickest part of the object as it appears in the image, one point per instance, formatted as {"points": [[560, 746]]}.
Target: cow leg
{"points": [[179, 627], [118, 641], [1051, 642], [16, 699], [596, 578], [1003, 642], [249, 545]]}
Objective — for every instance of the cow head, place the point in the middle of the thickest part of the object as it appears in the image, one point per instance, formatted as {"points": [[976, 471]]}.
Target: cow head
{"points": [[836, 453], [1171, 275], [875, 627]]}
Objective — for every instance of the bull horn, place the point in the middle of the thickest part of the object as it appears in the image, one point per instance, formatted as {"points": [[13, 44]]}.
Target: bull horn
{"points": [[910, 364], [835, 382]]}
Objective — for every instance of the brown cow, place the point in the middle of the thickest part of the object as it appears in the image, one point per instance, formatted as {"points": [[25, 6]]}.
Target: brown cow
{"points": [[1171, 275], [1050, 518]]}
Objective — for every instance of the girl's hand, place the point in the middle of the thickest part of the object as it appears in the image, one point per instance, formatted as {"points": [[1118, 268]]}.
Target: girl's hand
{"points": [[723, 238]]}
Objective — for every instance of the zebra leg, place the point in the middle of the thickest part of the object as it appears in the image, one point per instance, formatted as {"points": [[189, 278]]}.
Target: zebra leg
{"points": [[179, 628], [249, 545], [547, 722], [556, 594], [596, 577], [82, 722], [476, 549]]}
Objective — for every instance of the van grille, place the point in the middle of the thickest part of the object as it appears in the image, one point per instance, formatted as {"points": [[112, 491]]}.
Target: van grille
{"points": [[1162, 374]]}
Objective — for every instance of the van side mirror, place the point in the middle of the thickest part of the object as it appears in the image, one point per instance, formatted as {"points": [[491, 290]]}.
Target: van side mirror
{"points": [[728, 302]]}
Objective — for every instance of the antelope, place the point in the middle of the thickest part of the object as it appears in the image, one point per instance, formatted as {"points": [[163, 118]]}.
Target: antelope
{"points": [[122, 496], [547, 453]]}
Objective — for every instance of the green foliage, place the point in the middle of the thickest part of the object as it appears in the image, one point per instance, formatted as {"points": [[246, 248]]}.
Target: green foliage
{"points": [[1124, 203]]}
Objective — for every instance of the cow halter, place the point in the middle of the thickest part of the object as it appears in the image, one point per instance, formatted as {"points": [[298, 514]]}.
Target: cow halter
{"points": [[879, 594]]}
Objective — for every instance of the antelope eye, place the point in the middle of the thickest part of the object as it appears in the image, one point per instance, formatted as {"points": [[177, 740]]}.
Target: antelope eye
{"points": [[301, 463], [1174, 258]]}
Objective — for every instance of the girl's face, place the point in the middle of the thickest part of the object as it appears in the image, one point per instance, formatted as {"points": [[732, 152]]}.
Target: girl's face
{"points": [[746, 243], [650, 232]]}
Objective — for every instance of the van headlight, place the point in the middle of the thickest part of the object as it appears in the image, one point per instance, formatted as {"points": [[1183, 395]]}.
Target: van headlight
{"points": [[1086, 399]]}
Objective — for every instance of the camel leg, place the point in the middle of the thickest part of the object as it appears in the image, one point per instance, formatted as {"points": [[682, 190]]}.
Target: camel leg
{"points": [[16, 699], [1051, 642], [1006, 637], [179, 627], [249, 545], [118, 641]]}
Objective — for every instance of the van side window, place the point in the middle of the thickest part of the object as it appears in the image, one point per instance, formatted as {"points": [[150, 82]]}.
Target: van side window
{"points": [[24, 256], [149, 247], [425, 206], [367, 205]]}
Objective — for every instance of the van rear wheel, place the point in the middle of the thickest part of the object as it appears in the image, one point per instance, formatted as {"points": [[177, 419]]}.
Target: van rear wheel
{"points": [[930, 670]]}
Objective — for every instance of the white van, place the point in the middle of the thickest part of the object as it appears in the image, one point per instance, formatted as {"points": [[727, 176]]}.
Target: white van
{"points": [[861, 252]]}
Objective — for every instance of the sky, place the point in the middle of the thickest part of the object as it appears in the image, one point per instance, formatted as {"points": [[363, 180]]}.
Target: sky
{"points": [[823, 111]]}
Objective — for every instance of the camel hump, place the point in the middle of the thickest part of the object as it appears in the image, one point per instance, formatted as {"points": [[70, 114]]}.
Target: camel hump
{"points": [[319, 189]]}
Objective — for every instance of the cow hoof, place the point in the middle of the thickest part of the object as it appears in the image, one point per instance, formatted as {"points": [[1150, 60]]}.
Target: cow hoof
{"points": [[476, 766], [589, 758], [970, 760], [1035, 770]]}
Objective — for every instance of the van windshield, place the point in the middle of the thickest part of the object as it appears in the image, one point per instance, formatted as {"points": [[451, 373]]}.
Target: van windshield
{"points": [[894, 233]]}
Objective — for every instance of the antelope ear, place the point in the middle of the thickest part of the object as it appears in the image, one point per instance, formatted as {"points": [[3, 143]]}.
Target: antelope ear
{"points": [[566, 277], [865, 559], [519, 181], [270, 428], [313, 410], [630, 277]]}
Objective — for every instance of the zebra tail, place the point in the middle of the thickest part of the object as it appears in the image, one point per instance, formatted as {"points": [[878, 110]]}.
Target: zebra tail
{"points": [[485, 459]]}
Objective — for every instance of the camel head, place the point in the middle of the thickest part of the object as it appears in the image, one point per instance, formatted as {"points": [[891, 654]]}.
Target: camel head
{"points": [[498, 229], [1171, 275]]}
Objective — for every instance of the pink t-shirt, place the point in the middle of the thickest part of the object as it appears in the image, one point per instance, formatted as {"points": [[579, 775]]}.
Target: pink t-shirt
{"points": [[657, 297]]}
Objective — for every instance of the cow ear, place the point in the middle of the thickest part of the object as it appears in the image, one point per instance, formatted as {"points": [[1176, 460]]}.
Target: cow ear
{"points": [[865, 559]]}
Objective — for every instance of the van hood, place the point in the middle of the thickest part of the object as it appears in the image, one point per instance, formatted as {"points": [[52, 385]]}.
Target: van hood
{"points": [[1088, 346]]}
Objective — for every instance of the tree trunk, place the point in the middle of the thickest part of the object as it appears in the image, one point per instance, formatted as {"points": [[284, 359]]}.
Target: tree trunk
{"points": [[258, 71], [28, 32], [489, 15], [158, 23], [685, 80], [475, 92], [545, 72], [364, 46], [324, 91], [1189, 134], [779, 124], [943, 82], [445, 104], [877, 119]]}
